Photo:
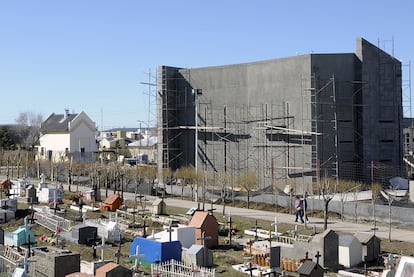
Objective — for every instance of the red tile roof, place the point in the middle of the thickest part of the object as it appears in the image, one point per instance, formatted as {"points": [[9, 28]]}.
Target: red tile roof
{"points": [[198, 219], [112, 198]]}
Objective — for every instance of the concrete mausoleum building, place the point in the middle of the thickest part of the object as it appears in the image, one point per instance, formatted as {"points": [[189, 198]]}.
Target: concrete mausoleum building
{"points": [[286, 118]]}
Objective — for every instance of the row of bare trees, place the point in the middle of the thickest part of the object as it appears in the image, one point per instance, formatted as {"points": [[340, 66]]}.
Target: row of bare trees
{"points": [[22, 164]]}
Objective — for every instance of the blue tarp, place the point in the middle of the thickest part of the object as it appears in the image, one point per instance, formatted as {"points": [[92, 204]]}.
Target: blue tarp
{"points": [[399, 183], [153, 251]]}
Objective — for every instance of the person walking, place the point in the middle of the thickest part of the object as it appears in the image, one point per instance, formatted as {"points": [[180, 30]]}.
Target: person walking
{"points": [[298, 209], [305, 207]]}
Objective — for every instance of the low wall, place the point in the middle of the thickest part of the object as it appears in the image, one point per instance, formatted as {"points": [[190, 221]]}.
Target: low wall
{"points": [[352, 210]]}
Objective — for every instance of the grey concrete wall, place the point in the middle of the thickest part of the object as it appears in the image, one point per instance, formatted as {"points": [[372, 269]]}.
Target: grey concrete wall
{"points": [[352, 210], [278, 93], [382, 100]]}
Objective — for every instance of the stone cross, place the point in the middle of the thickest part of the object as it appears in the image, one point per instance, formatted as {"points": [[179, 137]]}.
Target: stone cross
{"points": [[62, 243], [28, 244], [269, 239], [116, 219], [54, 201], [250, 268], [250, 243], [26, 263], [270, 273], [317, 256], [94, 251], [42, 178], [230, 228], [275, 223], [103, 246], [256, 227], [210, 211], [144, 229], [94, 242], [204, 238], [296, 231], [118, 253], [136, 256], [140, 196], [170, 230]]}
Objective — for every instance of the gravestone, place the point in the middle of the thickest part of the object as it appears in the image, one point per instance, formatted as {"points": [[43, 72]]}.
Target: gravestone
{"points": [[199, 255], [83, 234], [274, 256], [325, 243], [1, 236], [31, 195]]}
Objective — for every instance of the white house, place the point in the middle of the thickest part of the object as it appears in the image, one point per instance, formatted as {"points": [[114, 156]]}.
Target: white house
{"points": [[68, 135]]}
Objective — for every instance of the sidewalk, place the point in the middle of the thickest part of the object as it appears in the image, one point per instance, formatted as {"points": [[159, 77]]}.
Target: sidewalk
{"points": [[334, 224]]}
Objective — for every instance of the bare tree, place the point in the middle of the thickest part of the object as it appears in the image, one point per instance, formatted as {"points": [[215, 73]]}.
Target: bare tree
{"points": [[223, 178], [168, 176], [343, 188], [182, 176], [135, 173], [106, 172], [328, 188], [27, 129], [390, 198], [355, 191], [188, 175], [249, 182], [150, 173], [376, 190]]}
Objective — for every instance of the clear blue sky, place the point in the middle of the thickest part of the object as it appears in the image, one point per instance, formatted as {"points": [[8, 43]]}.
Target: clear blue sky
{"points": [[93, 55]]}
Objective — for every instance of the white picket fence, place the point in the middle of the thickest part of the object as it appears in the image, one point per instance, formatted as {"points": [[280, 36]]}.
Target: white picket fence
{"points": [[175, 268], [52, 222], [13, 255], [291, 240]]}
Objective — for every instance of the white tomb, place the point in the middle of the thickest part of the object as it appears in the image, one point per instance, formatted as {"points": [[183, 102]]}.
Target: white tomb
{"points": [[183, 233]]}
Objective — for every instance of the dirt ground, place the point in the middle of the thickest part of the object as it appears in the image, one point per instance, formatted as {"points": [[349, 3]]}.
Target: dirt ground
{"points": [[224, 255]]}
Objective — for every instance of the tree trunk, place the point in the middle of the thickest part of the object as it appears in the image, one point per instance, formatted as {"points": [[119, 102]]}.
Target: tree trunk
{"points": [[373, 215], [69, 180], [248, 199], [182, 192], [325, 215], [223, 197], [8, 168], [355, 211], [18, 166], [106, 186], [389, 217]]}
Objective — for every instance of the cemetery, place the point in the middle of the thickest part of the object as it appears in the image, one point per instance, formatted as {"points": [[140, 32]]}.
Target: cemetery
{"points": [[134, 242]]}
